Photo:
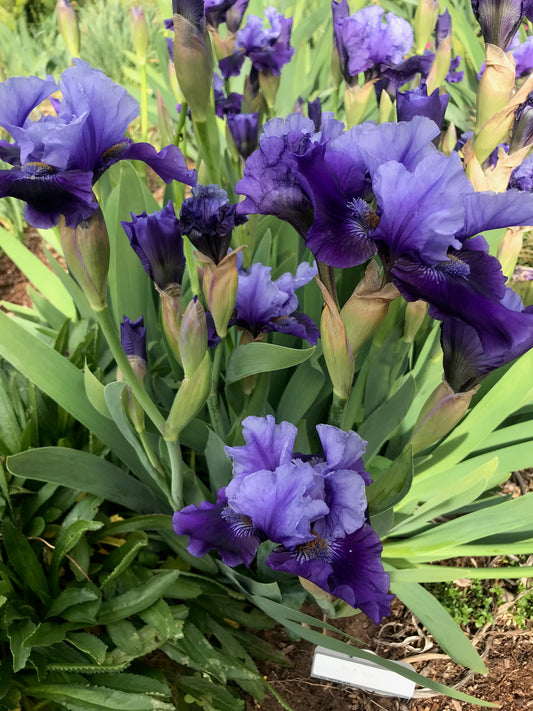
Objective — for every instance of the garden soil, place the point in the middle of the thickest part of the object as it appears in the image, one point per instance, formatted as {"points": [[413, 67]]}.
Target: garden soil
{"points": [[506, 649]]}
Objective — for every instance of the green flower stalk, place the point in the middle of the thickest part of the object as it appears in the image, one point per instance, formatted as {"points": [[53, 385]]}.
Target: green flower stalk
{"points": [[140, 39]]}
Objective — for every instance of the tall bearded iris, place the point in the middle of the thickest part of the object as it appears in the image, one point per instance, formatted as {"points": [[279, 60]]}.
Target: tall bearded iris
{"points": [[57, 159], [314, 508]]}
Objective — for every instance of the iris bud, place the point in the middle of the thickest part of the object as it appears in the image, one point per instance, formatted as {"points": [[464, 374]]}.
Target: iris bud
{"points": [[356, 100], [193, 337], [443, 54], [367, 307], [441, 412], [166, 127], [189, 400], [192, 56], [86, 251], [172, 314], [220, 284], [68, 26], [499, 20], [522, 135], [139, 33], [337, 351], [415, 312], [133, 340], [269, 84], [510, 247], [424, 22]]}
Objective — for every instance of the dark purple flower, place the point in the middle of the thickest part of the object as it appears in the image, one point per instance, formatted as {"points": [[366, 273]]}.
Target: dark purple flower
{"points": [[58, 158], [263, 305], [368, 38], [500, 19], [224, 106], [418, 103], [244, 129], [392, 77], [468, 358], [268, 445], [455, 76], [314, 111], [267, 48], [229, 11], [522, 134], [348, 567], [133, 337], [522, 177], [271, 182], [208, 220], [218, 527], [157, 240]]}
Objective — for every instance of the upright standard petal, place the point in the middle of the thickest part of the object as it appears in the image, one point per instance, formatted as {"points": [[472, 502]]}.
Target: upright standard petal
{"points": [[19, 96], [268, 445]]}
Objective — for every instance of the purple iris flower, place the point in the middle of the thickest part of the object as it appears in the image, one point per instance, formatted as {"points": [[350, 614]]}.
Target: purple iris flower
{"points": [[208, 219], [57, 159], [418, 103], [263, 305], [314, 507], [133, 337], [271, 183], [522, 133], [369, 38], [244, 129], [225, 106], [455, 75], [229, 11], [157, 240], [314, 111], [392, 77], [468, 358], [500, 19], [268, 49], [523, 56], [522, 177]]}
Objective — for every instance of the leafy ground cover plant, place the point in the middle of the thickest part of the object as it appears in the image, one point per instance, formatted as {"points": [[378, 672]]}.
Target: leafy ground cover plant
{"points": [[278, 371]]}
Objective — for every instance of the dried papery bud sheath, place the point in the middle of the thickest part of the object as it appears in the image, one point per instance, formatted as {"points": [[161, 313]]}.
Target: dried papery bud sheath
{"points": [[424, 22], [86, 250], [415, 313], [269, 84], [166, 127], [494, 93], [337, 352], [356, 100], [441, 412], [367, 307], [448, 139], [68, 26], [510, 247], [192, 55], [139, 33], [220, 284]]}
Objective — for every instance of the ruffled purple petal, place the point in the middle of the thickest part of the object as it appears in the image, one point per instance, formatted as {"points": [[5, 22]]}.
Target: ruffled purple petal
{"points": [[218, 527], [268, 445], [343, 450], [490, 211], [283, 503], [297, 324], [19, 96], [169, 163], [349, 568], [346, 500]]}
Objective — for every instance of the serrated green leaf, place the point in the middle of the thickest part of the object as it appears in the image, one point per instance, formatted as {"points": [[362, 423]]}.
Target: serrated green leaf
{"points": [[89, 644], [45, 634], [256, 358], [160, 617], [78, 697], [133, 683], [121, 558], [18, 632], [209, 696], [66, 540], [133, 601]]}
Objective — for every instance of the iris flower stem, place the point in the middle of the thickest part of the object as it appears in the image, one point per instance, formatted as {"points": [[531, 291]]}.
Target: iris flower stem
{"points": [[212, 400], [176, 472], [181, 123], [336, 411], [202, 134], [148, 449], [108, 329], [144, 102]]}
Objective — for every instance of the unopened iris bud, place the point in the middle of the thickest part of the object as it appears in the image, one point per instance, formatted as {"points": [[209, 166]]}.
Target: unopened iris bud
{"points": [[337, 352], [356, 100], [86, 250], [139, 33], [449, 139], [133, 341], [172, 314], [417, 103], [193, 337], [522, 135], [499, 20], [424, 22], [510, 248], [68, 26], [220, 285], [189, 399], [441, 412], [166, 127], [367, 307], [415, 312], [244, 131], [269, 84], [192, 55]]}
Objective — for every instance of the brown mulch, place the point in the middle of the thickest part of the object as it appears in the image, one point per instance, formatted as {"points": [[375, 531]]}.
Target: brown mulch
{"points": [[506, 650]]}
